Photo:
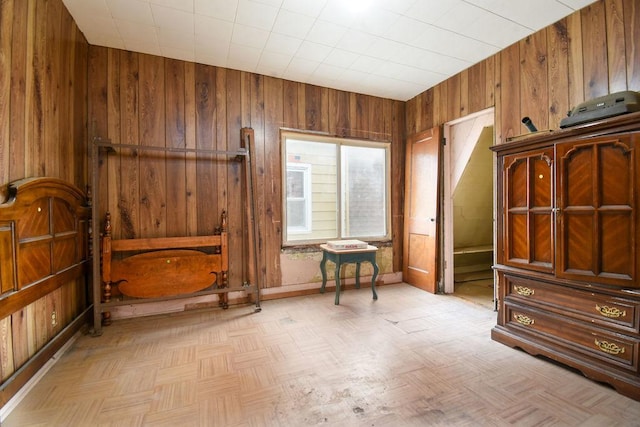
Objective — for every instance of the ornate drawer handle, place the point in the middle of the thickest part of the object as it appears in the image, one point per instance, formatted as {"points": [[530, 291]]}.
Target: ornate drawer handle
{"points": [[609, 347], [524, 291], [613, 312], [523, 320]]}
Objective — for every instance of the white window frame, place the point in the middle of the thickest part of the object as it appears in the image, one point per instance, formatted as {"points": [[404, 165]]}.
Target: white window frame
{"points": [[305, 168], [338, 142]]}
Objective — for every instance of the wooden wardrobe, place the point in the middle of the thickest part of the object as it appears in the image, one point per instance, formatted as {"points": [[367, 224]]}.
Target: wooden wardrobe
{"points": [[568, 248]]}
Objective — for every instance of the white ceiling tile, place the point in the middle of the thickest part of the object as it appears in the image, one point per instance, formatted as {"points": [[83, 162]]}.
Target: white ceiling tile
{"points": [[305, 7], [397, 6], [384, 48], [280, 43], [273, 64], [293, 24], [243, 57], [341, 58], [84, 8], [213, 29], [104, 26], [172, 19], [184, 5], [366, 64], [406, 30], [143, 47], [337, 11], [257, 15], [533, 15], [329, 71], [300, 68], [131, 10], [576, 4], [135, 32], [430, 11], [389, 48], [326, 33], [457, 45], [313, 51], [274, 3], [183, 55], [176, 39], [356, 41], [375, 21], [221, 9], [249, 36], [213, 54]]}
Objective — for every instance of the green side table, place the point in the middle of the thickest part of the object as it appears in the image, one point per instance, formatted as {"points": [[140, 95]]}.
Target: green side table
{"points": [[348, 256]]}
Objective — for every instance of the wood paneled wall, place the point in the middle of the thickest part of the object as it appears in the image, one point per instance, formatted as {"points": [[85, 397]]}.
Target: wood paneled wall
{"points": [[43, 132], [43, 86], [147, 100], [591, 53]]}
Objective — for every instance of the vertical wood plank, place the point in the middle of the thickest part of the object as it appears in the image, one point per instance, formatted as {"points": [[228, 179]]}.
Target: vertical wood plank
{"points": [[290, 107], [111, 182], [464, 93], [223, 165], [191, 206], [153, 177], [558, 70], [575, 60], [205, 140], [6, 30], [129, 190], [453, 98], [258, 163], [632, 43], [20, 335], [6, 349], [236, 205], [51, 77], [510, 92], [491, 82], [174, 115], [477, 87], [534, 98], [616, 54], [596, 81], [274, 117]]}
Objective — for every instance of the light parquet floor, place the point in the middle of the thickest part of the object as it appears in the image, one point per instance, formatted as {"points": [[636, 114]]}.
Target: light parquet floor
{"points": [[408, 359]]}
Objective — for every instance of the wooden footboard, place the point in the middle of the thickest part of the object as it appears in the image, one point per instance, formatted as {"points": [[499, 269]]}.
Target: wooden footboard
{"points": [[164, 268]]}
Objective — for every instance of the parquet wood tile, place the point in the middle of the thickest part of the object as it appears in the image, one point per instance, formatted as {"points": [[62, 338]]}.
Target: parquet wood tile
{"points": [[408, 359]]}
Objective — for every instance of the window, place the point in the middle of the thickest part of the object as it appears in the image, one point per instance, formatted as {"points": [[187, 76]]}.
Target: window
{"points": [[334, 188]]}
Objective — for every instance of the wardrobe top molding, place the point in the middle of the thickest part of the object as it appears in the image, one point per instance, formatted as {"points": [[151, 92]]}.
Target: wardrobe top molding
{"points": [[618, 124]]}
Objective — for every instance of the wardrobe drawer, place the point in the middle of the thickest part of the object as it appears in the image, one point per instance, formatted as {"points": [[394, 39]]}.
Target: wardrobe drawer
{"points": [[612, 348], [604, 310]]}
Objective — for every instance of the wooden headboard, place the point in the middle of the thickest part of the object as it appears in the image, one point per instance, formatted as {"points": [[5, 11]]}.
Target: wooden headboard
{"points": [[163, 267], [44, 237], [44, 275]]}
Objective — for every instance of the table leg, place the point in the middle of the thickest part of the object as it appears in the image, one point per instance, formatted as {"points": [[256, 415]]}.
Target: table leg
{"points": [[357, 275], [323, 270], [373, 279], [337, 283]]}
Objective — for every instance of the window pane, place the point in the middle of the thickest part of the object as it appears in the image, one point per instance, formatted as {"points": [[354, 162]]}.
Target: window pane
{"points": [[363, 191], [295, 183], [321, 159]]}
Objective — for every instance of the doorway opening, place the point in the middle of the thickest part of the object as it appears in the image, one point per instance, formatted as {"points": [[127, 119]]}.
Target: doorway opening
{"points": [[469, 208]]}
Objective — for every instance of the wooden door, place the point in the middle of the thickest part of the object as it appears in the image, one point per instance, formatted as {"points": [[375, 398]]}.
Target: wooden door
{"points": [[529, 210], [597, 213], [422, 177]]}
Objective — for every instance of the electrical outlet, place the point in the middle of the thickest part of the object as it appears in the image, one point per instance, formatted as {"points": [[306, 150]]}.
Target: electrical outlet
{"points": [[54, 318]]}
